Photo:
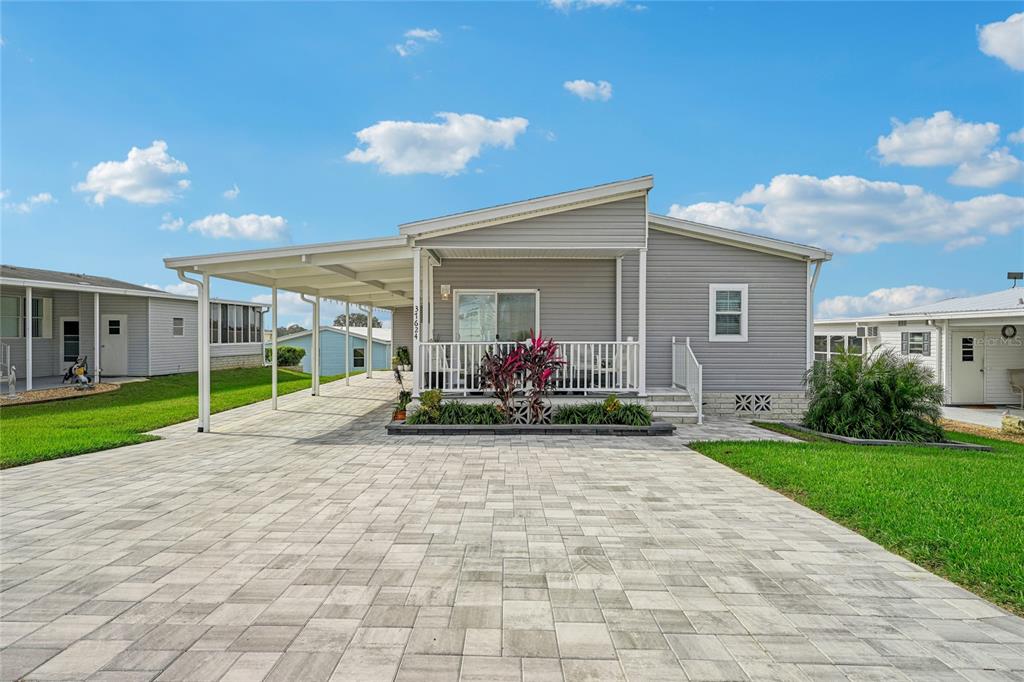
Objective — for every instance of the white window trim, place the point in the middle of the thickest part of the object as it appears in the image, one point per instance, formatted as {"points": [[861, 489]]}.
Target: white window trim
{"points": [[175, 328], [25, 316], [744, 313], [829, 353], [458, 292], [221, 321]]}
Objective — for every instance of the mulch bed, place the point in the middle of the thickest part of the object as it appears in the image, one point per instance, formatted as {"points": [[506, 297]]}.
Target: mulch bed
{"points": [[46, 395], [983, 431]]}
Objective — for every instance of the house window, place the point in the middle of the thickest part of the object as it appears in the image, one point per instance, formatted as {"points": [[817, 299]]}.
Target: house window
{"points": [[178, 326], [728, 307], [967, 349], [827, 347], [358, 357], [70, 340], [916, 343], [10, 316], [231, 323], [496, 315]]}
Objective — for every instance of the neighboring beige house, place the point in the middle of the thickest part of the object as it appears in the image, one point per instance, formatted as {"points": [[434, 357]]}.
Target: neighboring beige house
{"points": [[642, 304], [971, 344]]}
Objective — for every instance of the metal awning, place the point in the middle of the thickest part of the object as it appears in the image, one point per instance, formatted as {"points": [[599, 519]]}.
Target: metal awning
{"points": [[376, 272]]}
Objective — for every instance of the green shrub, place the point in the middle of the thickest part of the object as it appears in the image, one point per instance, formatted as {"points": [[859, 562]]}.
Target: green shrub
{"points": [[287, 356], [881, 396], [623, 414], [454, 412]]}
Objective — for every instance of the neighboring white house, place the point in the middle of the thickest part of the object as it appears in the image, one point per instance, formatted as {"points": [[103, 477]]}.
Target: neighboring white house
{"points": [[641, 304], [970, 343], [142, 331]]}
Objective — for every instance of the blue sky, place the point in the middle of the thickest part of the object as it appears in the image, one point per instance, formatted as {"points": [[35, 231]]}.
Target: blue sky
{"points": [[765, 117]]}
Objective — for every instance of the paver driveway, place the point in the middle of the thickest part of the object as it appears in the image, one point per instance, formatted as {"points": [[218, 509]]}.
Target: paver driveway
{"points": [[305, 544]]}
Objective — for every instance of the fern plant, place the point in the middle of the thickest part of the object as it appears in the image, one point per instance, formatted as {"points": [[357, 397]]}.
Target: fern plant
{"points": [[879, 396]]}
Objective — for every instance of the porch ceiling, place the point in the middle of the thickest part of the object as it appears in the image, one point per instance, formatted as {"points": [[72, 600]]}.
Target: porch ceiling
{"points": [[377, 271]]}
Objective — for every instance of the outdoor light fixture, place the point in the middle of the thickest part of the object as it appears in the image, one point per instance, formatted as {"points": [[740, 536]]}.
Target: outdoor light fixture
{"points": [[446, 291]]}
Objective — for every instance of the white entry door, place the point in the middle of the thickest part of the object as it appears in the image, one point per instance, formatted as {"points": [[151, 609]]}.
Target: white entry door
{"points": [[968, 373], [114, 345]]}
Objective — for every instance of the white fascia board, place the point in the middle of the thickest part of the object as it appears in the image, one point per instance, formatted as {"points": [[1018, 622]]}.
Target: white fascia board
{"points": [[113, 291], [966, 314], [724, 235], [528, 207], [282, 252]]}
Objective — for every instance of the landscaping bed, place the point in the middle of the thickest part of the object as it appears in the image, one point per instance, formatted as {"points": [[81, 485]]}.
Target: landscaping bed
{"points": [[949, 444], [48, 395], [400, 428]]}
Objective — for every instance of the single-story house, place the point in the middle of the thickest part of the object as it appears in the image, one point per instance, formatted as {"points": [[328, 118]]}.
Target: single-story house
{"points": [[333, 342], [971, 343], [142, 331], [642, 305]]}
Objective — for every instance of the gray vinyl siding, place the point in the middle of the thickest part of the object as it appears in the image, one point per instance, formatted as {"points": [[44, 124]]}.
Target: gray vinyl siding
{"points": [[45, 352], [615, 224], [577, 296], [171, 354], [135, 308], [401, 328], [679, 272]]}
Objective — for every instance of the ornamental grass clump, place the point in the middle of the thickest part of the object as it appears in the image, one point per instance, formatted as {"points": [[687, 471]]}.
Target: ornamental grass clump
{"points": [[611, 411], [881, 396]]}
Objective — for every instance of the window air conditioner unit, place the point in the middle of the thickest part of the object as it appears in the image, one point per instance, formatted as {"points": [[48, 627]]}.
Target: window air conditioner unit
{"points": [[867, 332]]}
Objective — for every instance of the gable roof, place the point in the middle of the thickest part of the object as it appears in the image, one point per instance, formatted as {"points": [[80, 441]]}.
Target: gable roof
{"points": [[519, 210], [1006, 300], [736, 238]]}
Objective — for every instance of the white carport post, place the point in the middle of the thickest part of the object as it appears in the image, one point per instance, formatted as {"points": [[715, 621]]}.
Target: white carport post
{"points": [[348, 341], [203, 351], [642, 312], [96, 373], [316, 346], [417, 371], [273, 347], [28, 338], [369, 342]]}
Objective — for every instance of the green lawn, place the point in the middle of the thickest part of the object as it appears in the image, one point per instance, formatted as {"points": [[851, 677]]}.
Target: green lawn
{"points": [[31, 433], [959, 514]]}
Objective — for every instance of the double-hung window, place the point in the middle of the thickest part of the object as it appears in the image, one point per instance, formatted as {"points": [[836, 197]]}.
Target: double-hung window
{"points": [[358, 358], [177, 326], [728, 312], [13, 321]]}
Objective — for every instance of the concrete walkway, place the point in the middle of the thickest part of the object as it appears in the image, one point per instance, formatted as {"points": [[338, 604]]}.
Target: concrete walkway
{"points": [[307, 545], [990, 417]]}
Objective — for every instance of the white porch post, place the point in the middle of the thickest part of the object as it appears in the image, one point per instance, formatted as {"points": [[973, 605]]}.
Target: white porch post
{"points": [[348, 341], [96, 372], [273, 348], [28, 338], [812, 283], [369, 342], [204, 354], [417, 284], [642, 313], [618, 299], [430, 301], [316, 346]]}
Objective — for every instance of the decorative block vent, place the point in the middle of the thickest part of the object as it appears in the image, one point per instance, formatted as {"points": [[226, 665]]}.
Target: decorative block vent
{"points": [[753, 402]]}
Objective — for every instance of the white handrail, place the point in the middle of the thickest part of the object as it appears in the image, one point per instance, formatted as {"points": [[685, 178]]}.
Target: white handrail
{"points": [[689, 374], [590, 366]]}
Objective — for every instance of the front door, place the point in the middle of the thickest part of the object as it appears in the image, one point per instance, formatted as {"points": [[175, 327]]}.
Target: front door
{"points": [[114, 345], [70, 342], [968, 361]]}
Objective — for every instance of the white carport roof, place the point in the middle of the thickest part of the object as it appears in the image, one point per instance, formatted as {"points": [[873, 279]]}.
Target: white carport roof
{"points": [[375, 272]]}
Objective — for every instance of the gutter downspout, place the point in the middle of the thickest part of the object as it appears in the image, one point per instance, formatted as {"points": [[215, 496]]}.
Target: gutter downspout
{"points": [[202, 294], [812, 283]]}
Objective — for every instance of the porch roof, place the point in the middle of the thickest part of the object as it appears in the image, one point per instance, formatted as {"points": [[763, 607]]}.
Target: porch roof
{"points": [[370, 271]]}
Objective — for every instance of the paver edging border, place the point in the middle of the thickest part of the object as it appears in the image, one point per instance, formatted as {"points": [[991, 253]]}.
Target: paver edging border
{"points": [[400, 428], [949, 445]]}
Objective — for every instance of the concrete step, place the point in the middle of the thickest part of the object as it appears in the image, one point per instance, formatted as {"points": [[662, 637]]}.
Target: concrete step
{"points": [[668, 397], [677, 419], [668, 404]]}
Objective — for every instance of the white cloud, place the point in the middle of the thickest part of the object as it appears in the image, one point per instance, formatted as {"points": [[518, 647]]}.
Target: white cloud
{"points": [[41, 199], [147, 176], [995, 168], [1016, 137], [406, 147], [964, 242], [940, 140], [171, 224], [1004, 40], [852, 214], [414, 39], [180, 288], [881, 301], [601, 90], [249, 226], [233, 192], [567, 5]]}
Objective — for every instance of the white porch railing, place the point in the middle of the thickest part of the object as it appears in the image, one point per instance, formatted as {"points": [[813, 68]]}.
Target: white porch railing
{"points": [[687, 373], [598, 366], [8, 372]]}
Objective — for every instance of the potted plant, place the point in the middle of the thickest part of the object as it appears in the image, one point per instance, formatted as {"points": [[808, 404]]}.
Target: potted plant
{"points": [[404, 398], [402, 358]]}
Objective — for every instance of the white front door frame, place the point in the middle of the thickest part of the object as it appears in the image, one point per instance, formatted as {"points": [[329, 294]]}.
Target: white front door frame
{"points": [[64, 364], [114, 351], [968, 377]]}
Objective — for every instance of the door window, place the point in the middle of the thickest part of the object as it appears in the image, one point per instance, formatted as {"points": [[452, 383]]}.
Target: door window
{"points": [[967, 349], [113, 327], [71, 338]]}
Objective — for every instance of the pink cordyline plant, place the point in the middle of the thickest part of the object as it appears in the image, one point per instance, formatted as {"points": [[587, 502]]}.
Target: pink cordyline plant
{"points": [[501, 371], [540, 364]]}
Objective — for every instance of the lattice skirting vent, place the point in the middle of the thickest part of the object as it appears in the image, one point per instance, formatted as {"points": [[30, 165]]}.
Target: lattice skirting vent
{"points": [[753, 402]]}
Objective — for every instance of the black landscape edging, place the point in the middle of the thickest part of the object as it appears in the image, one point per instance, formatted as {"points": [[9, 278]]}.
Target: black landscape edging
{"points": [[949, 445], [400, 428]]}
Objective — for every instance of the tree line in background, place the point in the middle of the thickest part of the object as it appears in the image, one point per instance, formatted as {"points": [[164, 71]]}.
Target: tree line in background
{"points": [[356, 320]]}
